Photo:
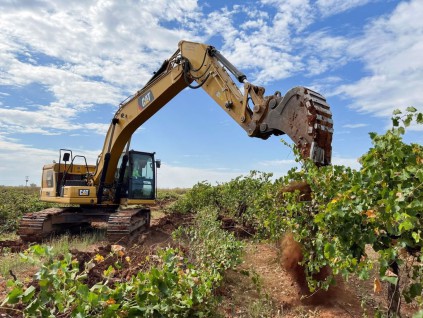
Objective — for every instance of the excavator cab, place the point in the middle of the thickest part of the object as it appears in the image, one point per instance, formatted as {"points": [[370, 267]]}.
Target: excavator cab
{"points": [[141, 176]]}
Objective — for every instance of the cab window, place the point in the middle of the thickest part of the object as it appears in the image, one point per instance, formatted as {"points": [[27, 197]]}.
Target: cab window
{"points": [[48, 181], [142, 183]]}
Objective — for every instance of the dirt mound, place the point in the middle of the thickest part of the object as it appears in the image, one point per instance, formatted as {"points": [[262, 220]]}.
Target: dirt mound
{"points": [[14, 246], [122, 262], [171, 222]]}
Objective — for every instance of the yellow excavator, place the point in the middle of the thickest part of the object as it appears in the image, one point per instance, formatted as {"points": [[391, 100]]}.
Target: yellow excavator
{"points": [[122, 178]]}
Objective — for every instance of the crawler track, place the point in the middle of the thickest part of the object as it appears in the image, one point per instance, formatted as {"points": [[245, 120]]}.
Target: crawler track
{"points": [[13, 246], [124, 226], [35, 226]]}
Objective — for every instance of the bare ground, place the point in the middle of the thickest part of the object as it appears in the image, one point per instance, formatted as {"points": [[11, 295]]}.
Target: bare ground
{"points": [[262, 286], [268, 283]]}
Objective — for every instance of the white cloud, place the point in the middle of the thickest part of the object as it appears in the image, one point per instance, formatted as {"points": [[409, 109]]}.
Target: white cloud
{"points": [[279, 39], [349, 162], [415, 127], [20, 159], [98, 128], [253, 24], [391, 49], [98, 60], [184, 177], [51, 119], [86, 53], [331, 7], [322, 52], [354, 125], [279, 163], [265, 36]]}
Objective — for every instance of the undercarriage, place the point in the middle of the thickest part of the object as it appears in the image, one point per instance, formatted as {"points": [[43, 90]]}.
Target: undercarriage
{"points": [[122, 225]]}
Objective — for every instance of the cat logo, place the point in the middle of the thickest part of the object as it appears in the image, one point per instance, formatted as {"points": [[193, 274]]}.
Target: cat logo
{"points": [[84, 192], [145, 100]]}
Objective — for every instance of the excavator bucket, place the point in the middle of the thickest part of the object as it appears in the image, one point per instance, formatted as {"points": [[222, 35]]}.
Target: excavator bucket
{"points": [[306, 118]]}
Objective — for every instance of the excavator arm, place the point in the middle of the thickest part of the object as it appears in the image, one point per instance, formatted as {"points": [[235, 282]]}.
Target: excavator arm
{"points": [[301, 113]]}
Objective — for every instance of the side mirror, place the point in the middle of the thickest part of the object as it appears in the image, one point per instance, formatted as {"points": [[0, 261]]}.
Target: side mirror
{"points": [[66, 156], [158, 163]]}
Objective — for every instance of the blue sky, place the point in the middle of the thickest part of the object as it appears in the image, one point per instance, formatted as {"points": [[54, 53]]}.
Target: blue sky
{"points": [[65, 66]]}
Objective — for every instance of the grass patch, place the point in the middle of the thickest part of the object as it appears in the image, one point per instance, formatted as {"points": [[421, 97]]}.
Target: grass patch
{"points": [[9, 236], [83, 242], [60, 244], [157, 214], [263, 307], [12, 262]]}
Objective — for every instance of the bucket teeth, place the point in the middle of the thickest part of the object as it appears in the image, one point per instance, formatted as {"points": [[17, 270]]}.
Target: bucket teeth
{"points": [[305, 117]]}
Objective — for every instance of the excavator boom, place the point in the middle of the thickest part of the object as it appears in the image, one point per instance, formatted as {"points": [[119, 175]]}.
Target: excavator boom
{"points": [[302, 114]]}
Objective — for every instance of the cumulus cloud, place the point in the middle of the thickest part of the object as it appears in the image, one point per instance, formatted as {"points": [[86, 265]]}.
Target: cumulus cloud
{"points": [[84, 53], [322, 52], [277, 35], [391, 49]]}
